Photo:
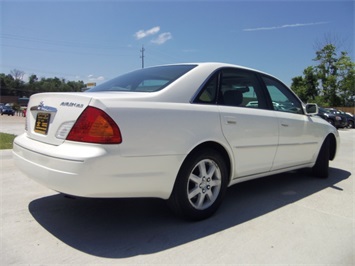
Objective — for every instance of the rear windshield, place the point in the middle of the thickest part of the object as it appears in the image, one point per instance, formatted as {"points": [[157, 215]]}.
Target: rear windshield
{"points": [[145, 80]]}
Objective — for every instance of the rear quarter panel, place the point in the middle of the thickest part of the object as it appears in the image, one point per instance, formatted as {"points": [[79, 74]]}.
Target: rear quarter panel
{"points": [[155, 128]]}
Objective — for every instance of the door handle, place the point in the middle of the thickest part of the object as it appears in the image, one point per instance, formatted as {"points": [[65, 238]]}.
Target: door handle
{"points": [[230, 120]]}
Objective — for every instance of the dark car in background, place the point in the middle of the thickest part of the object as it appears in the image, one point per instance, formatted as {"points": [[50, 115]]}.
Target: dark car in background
{"points": [[350, 119], [333, 116], [7, 110], [344, 121]]}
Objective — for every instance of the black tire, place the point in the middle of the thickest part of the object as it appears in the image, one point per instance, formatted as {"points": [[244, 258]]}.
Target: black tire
{"points": [[321, 168], [200, 185], [330, 121]]}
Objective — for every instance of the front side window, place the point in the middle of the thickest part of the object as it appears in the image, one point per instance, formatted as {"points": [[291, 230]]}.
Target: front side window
{"points": [[282, 98], [145, 80], [240, 88]]}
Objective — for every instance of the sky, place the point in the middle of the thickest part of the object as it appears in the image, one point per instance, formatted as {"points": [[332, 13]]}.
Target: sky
{"points": [[94, 41]]}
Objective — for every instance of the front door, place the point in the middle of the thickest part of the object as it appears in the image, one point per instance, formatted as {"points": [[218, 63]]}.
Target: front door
{"points": [[298, 140]]}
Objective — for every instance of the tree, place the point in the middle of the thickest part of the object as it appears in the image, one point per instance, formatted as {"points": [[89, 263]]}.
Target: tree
{"points": [[298, 86], [329, 83], [8, 84], [327, 71], [346, 84], [32, 85], [16, 86], [17, 74], [311, 83], [32, 79], [75, 86], [5, 83], [306, 87]]}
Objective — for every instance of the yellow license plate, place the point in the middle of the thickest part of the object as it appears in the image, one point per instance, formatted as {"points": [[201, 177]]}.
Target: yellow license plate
{"points": [[42, 123]]}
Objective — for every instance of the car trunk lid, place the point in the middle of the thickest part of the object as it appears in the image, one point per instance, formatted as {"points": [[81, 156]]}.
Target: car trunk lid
{"points": [[50, 116]]}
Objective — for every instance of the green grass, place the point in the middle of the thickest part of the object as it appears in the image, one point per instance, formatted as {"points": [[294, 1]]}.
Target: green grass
{"points": [[6, 141]]}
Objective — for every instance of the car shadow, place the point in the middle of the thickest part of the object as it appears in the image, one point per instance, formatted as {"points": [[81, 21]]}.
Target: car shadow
{"points": [[121, 228]]}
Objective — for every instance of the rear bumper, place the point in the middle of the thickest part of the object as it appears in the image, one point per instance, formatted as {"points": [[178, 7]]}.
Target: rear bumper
{"points": [[96, 171]]}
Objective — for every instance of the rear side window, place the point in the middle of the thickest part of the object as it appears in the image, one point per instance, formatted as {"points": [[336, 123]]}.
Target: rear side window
{"points": [[208, 94], [145, 80]]}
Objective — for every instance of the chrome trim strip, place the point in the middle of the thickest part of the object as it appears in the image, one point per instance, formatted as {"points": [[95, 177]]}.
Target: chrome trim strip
{"points": [[44, 108], [256, 146], [298, 144], [278, 145]]}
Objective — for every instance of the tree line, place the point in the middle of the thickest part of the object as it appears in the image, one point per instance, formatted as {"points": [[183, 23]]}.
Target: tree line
{"points": [[13, 85]]}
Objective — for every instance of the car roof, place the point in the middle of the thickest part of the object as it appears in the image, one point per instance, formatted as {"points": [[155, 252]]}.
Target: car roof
{"points": [[183, 89]]}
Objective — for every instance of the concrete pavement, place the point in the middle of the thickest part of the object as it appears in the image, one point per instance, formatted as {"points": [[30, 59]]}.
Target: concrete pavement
{"points": [[289, 218], [12, 124]]}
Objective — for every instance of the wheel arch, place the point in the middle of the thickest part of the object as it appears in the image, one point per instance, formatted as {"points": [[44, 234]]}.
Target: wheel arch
{"points": [[180, 203], [218, 148], [333, 146]]}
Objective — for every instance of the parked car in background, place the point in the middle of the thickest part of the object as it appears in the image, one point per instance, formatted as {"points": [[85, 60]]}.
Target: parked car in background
{"points": [[1, 106], [351, 119], [183, 133], [333, 117], [344, 121], [7, 110]]}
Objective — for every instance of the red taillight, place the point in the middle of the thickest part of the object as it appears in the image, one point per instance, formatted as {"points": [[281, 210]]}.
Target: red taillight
{"points": [[95, 126]]}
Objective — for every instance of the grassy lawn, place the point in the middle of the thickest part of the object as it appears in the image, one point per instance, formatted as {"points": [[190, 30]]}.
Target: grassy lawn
{"points": [[6, 141]]}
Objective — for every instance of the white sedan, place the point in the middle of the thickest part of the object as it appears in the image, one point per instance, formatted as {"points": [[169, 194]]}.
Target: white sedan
{"points": [[182, 133]]}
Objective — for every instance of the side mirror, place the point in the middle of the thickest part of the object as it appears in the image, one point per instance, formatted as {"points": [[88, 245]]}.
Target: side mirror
{"points": [[311, 109]]}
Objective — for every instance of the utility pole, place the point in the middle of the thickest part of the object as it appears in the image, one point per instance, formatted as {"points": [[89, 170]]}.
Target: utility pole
{"points": [[142, 56]]}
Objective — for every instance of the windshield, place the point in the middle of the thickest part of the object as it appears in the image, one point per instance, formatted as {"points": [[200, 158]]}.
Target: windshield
{"points": [[145, 80]]}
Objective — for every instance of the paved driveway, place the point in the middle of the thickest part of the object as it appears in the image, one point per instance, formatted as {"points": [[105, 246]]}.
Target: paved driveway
{"points": [[289, 218], [12, 124]]}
